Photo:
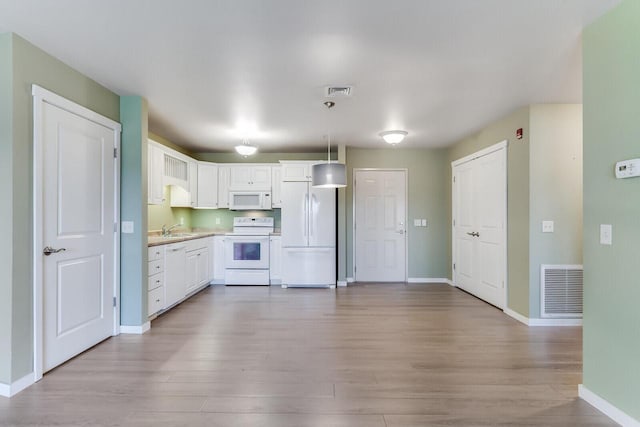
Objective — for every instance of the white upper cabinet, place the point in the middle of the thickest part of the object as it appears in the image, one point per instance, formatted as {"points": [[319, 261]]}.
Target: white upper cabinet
{"points": [[250, 177], [155, 174], [296, 171], [186, 196], [207, 185], [223, 186], [276, 185]]}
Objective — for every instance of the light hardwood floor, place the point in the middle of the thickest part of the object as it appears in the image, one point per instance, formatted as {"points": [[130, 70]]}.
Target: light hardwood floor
{"points": [[366, 355]]}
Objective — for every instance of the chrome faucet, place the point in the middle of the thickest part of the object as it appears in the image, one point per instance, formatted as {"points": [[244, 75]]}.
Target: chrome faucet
{"points": [[166, 232]]}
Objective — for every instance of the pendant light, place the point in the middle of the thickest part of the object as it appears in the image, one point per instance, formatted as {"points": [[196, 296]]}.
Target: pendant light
{"points": [[245, 149], [329, 175]]}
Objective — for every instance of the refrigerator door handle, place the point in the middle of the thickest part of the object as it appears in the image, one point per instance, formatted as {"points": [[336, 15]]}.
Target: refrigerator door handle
{"points": [[311, 216], [306, 214]]}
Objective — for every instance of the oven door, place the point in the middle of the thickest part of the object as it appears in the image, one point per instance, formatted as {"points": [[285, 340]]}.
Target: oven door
{"points": [[247, 252]]}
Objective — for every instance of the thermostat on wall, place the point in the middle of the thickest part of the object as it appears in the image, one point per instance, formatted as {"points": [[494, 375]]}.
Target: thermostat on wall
{"points": [[628, 168]]}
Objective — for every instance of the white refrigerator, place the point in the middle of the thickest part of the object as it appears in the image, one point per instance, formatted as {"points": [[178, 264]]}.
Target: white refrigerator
{"points": [[308, 229]]}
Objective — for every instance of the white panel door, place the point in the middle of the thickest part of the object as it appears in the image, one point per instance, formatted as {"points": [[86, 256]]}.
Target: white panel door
{"points": [[295, 214], [479, 229], [322, 217], [78, 221], [380, 226]]}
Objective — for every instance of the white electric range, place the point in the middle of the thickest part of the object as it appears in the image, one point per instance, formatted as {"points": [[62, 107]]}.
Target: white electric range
{"points": [[247, 251]]}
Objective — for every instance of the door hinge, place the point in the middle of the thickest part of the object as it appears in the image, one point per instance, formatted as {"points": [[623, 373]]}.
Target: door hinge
{"points": [[454, 222], [454, 179], [115, 227], [115, 153], [114, 302], [454, 265], [355, 268]]}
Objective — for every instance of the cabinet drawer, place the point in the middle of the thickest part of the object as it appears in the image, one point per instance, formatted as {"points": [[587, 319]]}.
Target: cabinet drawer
{"points": [[155, 281], [156, 253], [156, 300], [156, 266]]}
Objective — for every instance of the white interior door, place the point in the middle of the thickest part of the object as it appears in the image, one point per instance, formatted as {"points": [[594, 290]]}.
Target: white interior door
{"points": [[380, 225], [78, 219], [479, 197]]}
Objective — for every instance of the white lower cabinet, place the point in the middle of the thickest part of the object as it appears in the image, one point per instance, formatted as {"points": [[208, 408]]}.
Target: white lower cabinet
{"points": [[275, 260], [197, 273], [177, 270], [155, 286]]}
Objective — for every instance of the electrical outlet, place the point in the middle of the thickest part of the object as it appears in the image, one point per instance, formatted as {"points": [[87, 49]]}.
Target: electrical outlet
{"points": [[606, 234], [547, 226], [217, 220], [181, 220], [424, 222]]}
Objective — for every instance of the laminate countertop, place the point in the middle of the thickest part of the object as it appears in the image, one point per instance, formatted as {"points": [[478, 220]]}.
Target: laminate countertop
{"points": [[156, 239]]}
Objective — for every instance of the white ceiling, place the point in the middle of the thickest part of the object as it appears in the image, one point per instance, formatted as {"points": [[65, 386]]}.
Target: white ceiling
{"points": [[215, 69]]}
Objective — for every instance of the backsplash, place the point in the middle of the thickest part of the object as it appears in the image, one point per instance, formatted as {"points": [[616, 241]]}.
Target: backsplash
{"points": [[206, 218], [164, 214]]}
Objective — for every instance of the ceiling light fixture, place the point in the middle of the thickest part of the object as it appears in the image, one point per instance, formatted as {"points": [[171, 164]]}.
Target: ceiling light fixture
{"points": [[245, 149], [329, 175], [393, 137]]}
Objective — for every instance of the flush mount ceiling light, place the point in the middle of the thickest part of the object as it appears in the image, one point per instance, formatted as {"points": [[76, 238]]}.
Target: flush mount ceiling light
{"points": [[245, 149], [393, 137], [329, 175]]}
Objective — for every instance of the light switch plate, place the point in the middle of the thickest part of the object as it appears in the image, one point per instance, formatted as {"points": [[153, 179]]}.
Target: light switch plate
{"points": [[416, 223], [424, 222], [606, 234], [127, 227], [217, 220], [547, 226]]}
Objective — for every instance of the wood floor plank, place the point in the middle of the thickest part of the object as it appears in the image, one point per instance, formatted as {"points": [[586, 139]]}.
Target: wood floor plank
{"points": [[366, 355]]}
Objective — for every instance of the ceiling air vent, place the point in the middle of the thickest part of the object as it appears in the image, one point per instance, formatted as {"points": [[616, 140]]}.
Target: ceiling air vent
{"points": [[338, 91]]}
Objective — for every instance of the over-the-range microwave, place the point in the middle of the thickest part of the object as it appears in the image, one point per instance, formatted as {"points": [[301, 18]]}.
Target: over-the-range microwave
{"points": [[249, 200]]}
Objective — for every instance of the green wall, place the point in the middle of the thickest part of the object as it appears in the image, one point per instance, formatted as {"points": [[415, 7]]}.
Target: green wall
{"points": [[517, 198], [133, 207], [31, 65], [427, 255], [612, 273], [6, 203], [555, 190]]}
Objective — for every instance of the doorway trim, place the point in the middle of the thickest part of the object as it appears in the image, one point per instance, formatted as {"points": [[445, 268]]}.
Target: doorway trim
{"points": [[406, 213], [40, 97], [502, 145]]}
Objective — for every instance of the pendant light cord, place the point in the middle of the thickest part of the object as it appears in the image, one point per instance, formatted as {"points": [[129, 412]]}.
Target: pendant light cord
{"points": [[329, 105]]}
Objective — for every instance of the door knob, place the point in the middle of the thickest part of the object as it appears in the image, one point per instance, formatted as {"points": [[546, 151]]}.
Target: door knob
{"points": [[400, 231], [474, 234], [48, 250]]}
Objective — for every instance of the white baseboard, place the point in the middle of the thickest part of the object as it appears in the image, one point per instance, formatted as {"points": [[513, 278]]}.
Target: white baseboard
{"points": [[350, 279], [139, 330], [606, 408], [555, 322], [9, 390], [427, 280], [342, 283], [541, 322]]}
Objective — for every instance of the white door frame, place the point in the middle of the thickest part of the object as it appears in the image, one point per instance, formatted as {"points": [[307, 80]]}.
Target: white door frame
{"points": [[406, 214], [40, 97], [502, 145]]}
